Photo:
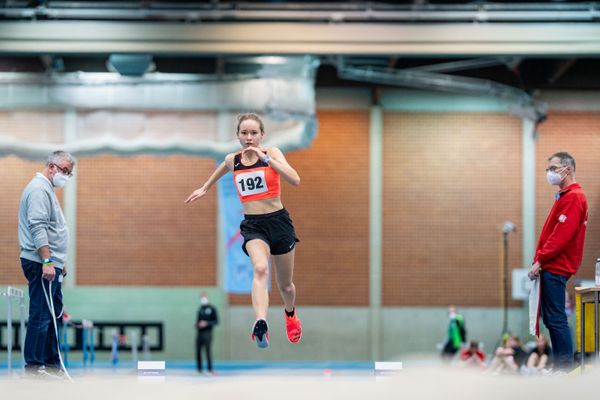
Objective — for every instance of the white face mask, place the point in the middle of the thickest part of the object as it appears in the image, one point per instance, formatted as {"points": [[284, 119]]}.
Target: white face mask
{"points": [[203, 301], [554, 177], [59, 180]]}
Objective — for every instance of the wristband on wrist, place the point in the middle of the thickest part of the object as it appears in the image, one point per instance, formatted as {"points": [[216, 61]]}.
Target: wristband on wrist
{"points": [[47, 261], [267, 158]]}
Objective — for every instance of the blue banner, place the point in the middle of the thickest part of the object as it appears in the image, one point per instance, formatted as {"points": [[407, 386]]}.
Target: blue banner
{"points": [[238, 268]]}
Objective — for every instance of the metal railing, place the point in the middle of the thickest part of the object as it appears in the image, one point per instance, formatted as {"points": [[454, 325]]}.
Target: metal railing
{"points": [[13, 295]]}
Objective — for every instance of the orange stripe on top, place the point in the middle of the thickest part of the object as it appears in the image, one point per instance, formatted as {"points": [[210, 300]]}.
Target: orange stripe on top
{"points": [[255, 182]]}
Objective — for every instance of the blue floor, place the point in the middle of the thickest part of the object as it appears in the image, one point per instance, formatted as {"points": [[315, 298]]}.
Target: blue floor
{"points": [[227, 368]]}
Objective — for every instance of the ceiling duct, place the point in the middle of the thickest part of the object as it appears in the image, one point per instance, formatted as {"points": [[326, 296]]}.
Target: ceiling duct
{"points": [[520, 101], [159, 113]]}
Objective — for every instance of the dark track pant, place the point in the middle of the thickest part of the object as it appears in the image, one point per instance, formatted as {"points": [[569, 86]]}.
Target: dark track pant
{"points": [[203, 343]]}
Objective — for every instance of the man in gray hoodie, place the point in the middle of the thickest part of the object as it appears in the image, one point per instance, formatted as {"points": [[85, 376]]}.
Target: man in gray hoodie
{"points": [[43, 238]]}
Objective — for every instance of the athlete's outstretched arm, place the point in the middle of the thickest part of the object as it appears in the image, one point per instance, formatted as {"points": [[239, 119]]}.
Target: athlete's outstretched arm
{"points": [[221, 170]]}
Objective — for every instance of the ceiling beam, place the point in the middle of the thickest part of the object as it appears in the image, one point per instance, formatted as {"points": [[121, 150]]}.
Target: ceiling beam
{"points": [[418, 40], [302, 12]]}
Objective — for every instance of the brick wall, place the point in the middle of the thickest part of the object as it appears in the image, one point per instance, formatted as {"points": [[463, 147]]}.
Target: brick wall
{"points": [[33, 126], [579, 134], [132, 225], [450, 181]]}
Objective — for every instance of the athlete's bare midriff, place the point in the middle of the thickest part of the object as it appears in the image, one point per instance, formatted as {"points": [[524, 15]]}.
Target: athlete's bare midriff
{"points": [[264, 206]]}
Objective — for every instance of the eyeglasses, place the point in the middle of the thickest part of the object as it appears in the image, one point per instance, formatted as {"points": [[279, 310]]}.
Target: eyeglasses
{"points": [[64, 170], [555, 168]]}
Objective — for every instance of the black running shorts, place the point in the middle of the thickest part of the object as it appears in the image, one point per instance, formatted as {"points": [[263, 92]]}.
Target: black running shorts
{"points": [[276, 229]]}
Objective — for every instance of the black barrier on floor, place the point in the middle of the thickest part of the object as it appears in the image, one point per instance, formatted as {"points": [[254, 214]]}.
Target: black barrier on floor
{"points": [[16, 326], [103, 331]]}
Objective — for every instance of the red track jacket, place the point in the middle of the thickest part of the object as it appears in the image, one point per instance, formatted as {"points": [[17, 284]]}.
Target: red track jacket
{"points": [[560, 247]]}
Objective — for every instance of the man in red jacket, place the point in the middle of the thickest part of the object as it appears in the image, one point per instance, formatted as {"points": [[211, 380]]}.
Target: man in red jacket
{"points": [[559, 252]]}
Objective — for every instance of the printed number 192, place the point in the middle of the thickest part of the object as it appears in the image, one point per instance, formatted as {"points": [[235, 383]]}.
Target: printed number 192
{"points": [[251, 183]]}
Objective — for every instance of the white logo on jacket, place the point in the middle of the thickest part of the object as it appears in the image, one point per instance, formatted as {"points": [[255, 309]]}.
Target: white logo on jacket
{"points": [[562, 218]]}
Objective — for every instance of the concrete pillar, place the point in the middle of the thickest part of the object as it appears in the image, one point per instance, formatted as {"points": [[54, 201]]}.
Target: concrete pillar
{"points": [[70, 202], [375, 228]]}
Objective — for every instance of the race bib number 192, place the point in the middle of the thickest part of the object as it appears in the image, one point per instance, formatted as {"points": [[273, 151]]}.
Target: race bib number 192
{"points": [[251, 182]]}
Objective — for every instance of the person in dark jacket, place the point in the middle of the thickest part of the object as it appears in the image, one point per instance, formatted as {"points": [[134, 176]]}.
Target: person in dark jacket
{"points": [[207, 320]]}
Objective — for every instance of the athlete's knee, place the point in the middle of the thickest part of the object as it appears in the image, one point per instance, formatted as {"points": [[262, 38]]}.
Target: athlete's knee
{"points": [[261, 270], [287, 288]]}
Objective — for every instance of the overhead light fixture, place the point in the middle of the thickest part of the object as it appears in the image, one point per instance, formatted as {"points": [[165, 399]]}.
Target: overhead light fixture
{"points": [[130, 64], [272, 60]]}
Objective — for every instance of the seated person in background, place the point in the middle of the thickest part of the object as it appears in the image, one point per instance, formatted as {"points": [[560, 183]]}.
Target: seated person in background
{"points": [[510, 357], [539, 357], [472, 356]]}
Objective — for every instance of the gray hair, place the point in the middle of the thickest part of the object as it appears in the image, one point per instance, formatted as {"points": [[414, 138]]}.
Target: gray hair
{"points": [[58, 156], [566, 160]]}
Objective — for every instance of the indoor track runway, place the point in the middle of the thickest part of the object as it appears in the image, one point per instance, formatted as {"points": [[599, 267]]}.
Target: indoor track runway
{"points": [[305, 382]]}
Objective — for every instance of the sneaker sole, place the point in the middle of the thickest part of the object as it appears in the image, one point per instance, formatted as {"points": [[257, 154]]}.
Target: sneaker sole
{"points": [[261, 343], [297, 341]]}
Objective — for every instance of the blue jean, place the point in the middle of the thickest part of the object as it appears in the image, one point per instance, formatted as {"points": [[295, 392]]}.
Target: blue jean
{"points": [[555, 318], [41, 347]]}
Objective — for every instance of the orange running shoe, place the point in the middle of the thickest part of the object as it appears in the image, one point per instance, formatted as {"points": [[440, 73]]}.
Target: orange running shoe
{"points": [[293, 327]]}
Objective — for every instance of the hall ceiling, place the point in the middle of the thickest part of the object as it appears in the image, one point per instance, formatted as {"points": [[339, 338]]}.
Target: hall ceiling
{"points": [[531, 46]]}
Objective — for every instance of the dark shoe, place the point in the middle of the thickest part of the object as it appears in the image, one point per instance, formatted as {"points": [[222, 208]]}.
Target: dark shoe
{"points": [[260, 333]]}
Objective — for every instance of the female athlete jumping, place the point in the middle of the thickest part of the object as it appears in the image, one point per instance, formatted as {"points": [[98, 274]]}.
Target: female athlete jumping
{"points": [[267, 228]]}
